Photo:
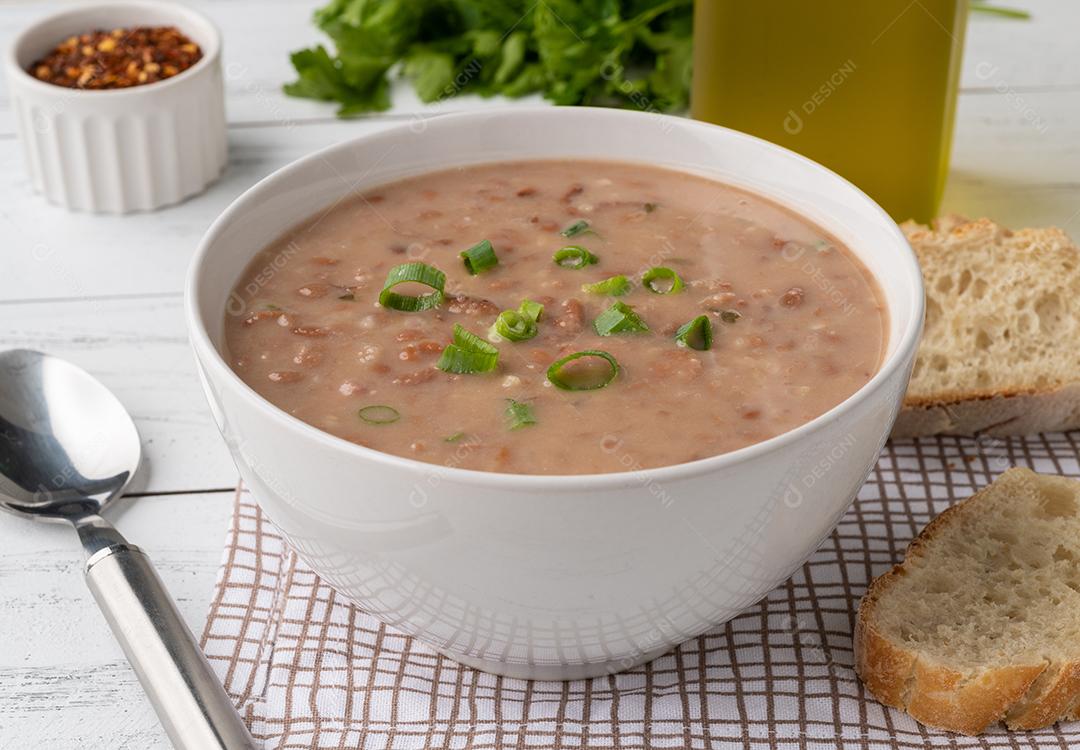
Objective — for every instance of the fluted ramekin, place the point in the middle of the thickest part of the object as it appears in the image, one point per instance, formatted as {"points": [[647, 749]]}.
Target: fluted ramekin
{"points": [[120, 150]]}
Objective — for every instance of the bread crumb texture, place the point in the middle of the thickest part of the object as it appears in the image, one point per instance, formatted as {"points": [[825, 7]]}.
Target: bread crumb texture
{"points": [[981, 621], [1001, 311]]}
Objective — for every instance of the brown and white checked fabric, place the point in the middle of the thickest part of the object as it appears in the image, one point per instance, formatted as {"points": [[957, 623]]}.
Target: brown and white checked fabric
{"points": [[310, 671]]}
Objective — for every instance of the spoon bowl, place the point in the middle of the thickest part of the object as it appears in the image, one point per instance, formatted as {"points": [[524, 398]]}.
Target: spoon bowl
{"points": [[69, 446], [67, 449]]}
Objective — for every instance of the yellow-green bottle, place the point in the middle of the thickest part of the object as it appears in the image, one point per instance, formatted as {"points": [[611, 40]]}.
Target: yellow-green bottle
{"points": [[866, 87]]}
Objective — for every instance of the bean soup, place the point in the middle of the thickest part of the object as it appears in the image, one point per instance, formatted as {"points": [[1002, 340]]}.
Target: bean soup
{"points": [[556, 317]]}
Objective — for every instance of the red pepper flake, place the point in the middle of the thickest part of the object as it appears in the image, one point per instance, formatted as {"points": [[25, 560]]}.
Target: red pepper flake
{"points": [[118, 59]]}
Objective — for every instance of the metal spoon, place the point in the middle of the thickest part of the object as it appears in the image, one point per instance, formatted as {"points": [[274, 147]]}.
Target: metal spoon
{"points": [[67, 449]]}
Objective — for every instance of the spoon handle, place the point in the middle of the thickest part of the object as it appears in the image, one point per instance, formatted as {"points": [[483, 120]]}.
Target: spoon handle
{"points": [[186, 694]]}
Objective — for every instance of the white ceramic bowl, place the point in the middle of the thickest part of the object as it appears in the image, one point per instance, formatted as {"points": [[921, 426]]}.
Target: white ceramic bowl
{"points": [[120, 150], [553, 576]]}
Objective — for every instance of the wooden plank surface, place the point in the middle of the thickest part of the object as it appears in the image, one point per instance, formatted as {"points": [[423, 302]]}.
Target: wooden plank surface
{"points": [[64, 683], [139, 349]]}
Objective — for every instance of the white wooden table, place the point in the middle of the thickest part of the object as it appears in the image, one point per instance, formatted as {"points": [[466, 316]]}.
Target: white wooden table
{"points": [[105, 292]]}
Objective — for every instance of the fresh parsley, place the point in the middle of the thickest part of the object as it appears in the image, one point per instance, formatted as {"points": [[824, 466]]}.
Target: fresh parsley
{"points": [[628, 53], [631, 53]]}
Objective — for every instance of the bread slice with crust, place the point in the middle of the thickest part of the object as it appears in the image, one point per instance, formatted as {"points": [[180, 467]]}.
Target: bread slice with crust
{"points": [[1000, 353], [981, 621]]}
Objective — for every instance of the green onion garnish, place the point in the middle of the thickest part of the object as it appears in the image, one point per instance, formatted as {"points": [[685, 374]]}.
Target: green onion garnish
{"points": [[513, 326], [518, 415], [379, 414], [616, 286], [454, 438], [980, 7], [619, 318], [574, 256], [469, 354], [650, 207], [661, 273], [520, 324], [421, 273], [730, 316], [586, 377], [479, 258], [578, 227], [532, 309], [697, 334]]}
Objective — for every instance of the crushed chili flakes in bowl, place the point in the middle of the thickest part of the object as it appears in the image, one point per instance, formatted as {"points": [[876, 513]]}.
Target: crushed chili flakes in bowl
{"points": [[118, 59]]}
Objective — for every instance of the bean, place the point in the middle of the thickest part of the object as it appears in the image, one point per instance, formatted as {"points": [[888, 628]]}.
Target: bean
{"points": [[351, 388], [311, 331], [466, 305], [308, 355], [793, 297], [314, 291], [416, 378], [415, 351], [572, 319], [255, 317]]}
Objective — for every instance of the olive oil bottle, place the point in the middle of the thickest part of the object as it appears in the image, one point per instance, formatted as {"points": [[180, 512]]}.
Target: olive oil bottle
{"points": [[866, 87]]}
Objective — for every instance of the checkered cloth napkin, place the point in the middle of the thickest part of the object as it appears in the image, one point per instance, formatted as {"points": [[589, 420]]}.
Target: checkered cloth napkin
{"points": [[308, 670]]}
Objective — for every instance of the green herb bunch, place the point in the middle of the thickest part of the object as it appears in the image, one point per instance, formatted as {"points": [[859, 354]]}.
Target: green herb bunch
{"points": [[622, 53], [630, 53]]}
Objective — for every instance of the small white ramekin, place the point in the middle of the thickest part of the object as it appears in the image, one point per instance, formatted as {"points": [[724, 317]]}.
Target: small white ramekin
{"points": [[120, 150]]}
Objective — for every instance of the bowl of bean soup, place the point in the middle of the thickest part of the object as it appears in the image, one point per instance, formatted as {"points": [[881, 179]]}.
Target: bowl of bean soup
{"points": [[554, 390]]}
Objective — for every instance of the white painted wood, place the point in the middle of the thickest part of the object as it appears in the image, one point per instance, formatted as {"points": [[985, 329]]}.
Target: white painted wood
{"points": [[51, 253], [139, 349], [1016, 159], [1034, 54], [64, 683], [1030, 54], [105, 292]]}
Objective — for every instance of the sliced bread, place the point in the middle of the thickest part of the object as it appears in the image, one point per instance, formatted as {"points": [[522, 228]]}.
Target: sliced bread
{"points": [[1001, 351], [981, 621]]}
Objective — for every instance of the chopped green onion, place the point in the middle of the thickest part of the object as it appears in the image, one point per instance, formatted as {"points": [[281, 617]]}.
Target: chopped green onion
{"points": [[379, 414], [588, 379], [578, 227], [469, 354], [421, 273], [514, 326], [479, 258], [697, 334], [730, 316], [454, 438], [348, 296], [269, 306], [574, 256], [616, 286], [518, 415], [658, 273], [532, 309], [517, 325], [619, 318], [980, 7], [650, 207]]}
